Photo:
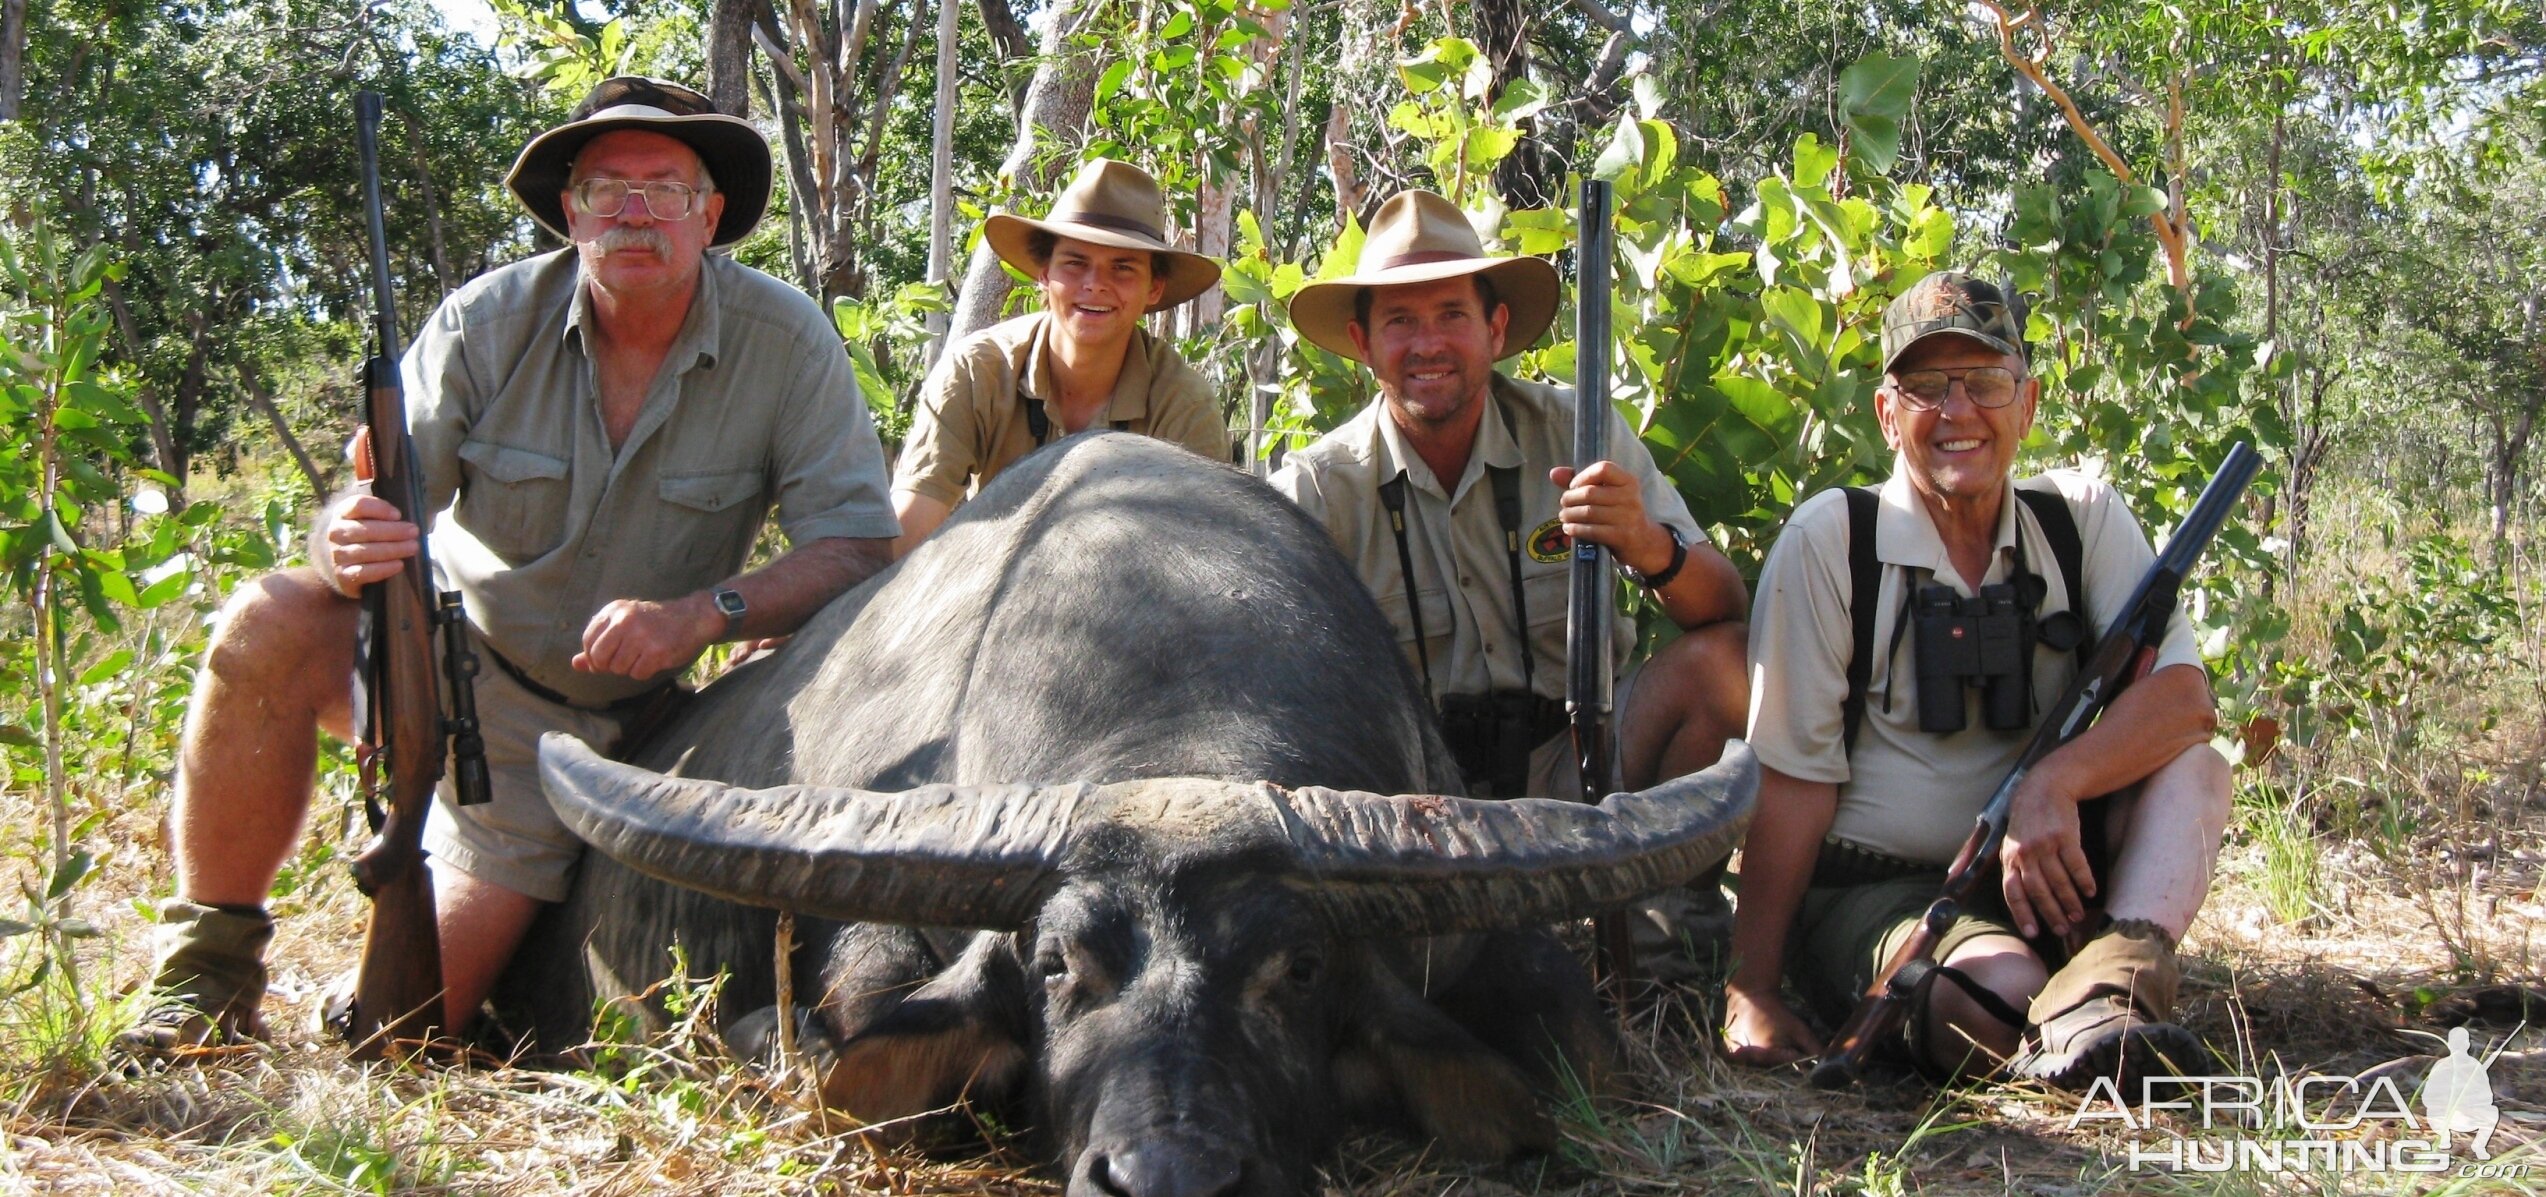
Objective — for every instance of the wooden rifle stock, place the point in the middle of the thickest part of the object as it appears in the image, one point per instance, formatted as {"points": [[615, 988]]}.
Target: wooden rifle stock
{"points": [[398, 987], [1591, 610], [2124, 655]]}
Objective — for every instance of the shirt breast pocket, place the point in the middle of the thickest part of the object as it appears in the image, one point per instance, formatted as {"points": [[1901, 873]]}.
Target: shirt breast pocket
{"points": [[512, 500], [1436, 619], [709, 519]]}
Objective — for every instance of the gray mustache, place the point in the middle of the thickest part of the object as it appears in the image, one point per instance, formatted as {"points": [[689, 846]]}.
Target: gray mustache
{"points": [[627, 237]]}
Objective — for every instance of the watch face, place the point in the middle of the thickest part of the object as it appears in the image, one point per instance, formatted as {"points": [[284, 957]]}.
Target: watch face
{"points": [[729, 602]]}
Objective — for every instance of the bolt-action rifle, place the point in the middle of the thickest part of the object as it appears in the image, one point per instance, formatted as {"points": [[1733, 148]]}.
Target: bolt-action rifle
{"points": [[2124, 655], [1591, 610], [398, 701]]}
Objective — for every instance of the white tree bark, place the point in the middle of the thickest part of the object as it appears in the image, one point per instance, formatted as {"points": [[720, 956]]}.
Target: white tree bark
{"points": [[1056, 105], [941, 174]]}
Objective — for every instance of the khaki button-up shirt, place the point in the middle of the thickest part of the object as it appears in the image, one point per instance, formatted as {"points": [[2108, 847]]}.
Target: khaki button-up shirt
{"points": [[1455, 537], [971, 421], [1905, 792], [541, 523]]}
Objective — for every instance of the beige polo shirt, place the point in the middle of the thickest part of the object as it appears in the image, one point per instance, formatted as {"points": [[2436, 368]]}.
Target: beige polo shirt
{"points": [[971, 422], [1462, 570], [1906, 792], [540, 523]]}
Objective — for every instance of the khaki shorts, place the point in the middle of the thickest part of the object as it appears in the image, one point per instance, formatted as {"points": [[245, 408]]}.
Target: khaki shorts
{"points": [[515, 840], [1843, 936]]}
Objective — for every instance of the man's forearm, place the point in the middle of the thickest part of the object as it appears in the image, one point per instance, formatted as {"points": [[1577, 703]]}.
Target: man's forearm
{"points": [[1708, 590], [2151, 723], [780, 596], [1793, 817]]}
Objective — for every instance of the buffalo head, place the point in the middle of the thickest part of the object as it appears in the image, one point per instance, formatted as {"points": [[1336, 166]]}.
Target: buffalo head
{"points": [[1191, 984]]}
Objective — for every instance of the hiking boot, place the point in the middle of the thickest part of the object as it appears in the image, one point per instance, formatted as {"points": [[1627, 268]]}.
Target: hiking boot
{"points": [[209, 979], [2105, 1015]]}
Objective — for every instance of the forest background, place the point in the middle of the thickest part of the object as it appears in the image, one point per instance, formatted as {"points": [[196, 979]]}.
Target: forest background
{"points": [[2307, 224]]}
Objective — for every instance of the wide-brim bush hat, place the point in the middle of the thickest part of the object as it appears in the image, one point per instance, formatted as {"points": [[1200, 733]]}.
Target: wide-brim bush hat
{"points": [[735, 154], [1112, 204], [1419, 237]]}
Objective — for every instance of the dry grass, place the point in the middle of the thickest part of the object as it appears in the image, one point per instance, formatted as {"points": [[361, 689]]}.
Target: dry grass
{"points": [[2396, 932]]}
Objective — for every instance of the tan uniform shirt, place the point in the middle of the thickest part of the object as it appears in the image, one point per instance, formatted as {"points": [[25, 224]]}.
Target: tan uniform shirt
{"points": [[1462, 570], [1905, 792], [541, 523], [971, 421]]}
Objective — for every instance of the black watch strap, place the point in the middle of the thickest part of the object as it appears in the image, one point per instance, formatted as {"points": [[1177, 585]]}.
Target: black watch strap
{"points": [[1679, 557], [729, 603]]}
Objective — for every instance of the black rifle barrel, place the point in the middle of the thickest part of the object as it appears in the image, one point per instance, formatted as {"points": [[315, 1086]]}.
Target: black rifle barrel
{"points": [[1592, 605], [367, 138], [2201, 525]]}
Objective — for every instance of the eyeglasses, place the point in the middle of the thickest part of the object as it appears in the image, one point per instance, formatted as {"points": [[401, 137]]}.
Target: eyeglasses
{"points": [[1985, 386], [666, 201]]}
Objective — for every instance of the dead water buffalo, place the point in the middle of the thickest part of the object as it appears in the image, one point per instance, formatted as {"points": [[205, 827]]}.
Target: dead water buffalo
{"points": [[1132, 716]]}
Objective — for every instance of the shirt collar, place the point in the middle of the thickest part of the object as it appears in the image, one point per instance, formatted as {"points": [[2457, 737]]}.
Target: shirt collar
{"points": [[700, 341], [1904, 533], [1130, 398], [1496, 445]]}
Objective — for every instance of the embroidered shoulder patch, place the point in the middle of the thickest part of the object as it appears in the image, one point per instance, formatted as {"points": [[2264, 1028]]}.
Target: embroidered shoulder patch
{"points": [[1549, 544]]}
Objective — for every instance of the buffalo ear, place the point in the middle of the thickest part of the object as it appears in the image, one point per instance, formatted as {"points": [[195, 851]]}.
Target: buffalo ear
{"points": [[954, 1038], [1402, 1060]]}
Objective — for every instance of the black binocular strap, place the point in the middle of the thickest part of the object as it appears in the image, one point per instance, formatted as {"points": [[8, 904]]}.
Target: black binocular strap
{"points": [[1507, 510], [1865, 585], [1392, 494], [1506, 481], [1039, 425]]}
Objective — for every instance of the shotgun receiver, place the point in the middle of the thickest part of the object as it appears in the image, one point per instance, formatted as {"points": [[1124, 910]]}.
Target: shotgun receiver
{"points": [[398, 700], [2125, 654], [1591, 610]]}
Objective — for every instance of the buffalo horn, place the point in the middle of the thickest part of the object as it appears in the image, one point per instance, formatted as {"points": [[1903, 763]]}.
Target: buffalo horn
{"points": [[944, 855], [1429, 865]]}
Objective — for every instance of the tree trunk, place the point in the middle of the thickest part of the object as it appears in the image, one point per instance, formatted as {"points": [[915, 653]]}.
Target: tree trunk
{"points": [[13, 50], [729, 25], [1005, 32], [263, 401], [1056, 102], [941, 174], [1524, 176], [163, 436]]}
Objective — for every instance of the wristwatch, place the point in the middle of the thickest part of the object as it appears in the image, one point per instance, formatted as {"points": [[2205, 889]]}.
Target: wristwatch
{"points": [[729, 603], [1679, 557]]}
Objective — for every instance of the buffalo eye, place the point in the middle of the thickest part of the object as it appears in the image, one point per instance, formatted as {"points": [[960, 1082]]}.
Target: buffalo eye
{"points": [[1306, 968], [1050, 966]]}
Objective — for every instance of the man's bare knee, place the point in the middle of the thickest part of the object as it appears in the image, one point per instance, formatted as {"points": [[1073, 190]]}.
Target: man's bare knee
{"points": [[287, 639]]}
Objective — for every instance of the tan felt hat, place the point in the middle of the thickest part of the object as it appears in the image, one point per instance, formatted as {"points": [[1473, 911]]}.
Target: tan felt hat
{"points": [[735, 154], [1109, 203], [1419, 237]]}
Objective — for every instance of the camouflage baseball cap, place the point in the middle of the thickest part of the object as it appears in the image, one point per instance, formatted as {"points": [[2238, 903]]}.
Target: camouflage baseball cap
{"points": [[1950, 301]]}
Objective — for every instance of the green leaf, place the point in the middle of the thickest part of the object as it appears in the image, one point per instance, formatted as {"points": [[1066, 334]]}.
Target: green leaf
{"points": [[1624, 153], [1177, 26], [1813, 161], [109, 666], [1112, 80], [1799, 316], [1875, 95], [17, 736], [74, 867], [12, 928]]}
